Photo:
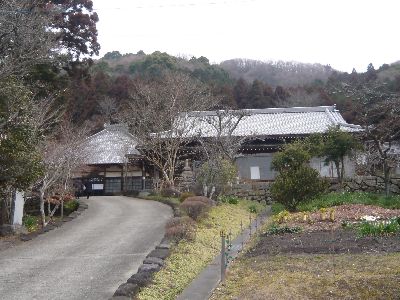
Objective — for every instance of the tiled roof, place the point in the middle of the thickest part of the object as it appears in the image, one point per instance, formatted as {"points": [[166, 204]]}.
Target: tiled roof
{"points": [[269, 122], [109, 146]]}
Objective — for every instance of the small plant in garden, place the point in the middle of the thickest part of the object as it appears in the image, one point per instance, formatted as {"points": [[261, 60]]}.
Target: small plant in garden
{"points": [[196, 207], [70, 206], [276, 229], [323, 213], [379, 228], [281, 217], [306, 217], [253, 208], [181, 228], [332, 212], [30, 222]]}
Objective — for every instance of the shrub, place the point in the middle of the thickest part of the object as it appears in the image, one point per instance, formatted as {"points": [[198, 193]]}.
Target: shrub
{"points": [[229, 199], [30, 222], [170, 192], [294, 186], [181, 228], [217, 173], [253, 208], [185, 195], [70, 206], [195, 207]]}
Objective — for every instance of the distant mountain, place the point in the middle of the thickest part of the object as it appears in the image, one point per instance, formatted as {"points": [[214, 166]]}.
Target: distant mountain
{"points": [[153, 65], [280, 73]]}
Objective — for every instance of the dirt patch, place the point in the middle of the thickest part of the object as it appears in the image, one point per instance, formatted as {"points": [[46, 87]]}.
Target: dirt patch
{"points": [[324, 242]]}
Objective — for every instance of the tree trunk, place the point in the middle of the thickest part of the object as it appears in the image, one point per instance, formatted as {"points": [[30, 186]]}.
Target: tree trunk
{"points": [[3, 210], [386, 171], [42, 213], [62, 209], [212, 192], [342, 171], [205, 190], [338, 175]]}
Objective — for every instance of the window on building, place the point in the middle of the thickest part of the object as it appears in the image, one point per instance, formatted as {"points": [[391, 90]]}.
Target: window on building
{"points": [[112, 185], [255, 173]]}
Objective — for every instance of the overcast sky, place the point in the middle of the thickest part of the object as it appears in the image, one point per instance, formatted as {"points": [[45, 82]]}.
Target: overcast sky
{"points": [[344, 34]]}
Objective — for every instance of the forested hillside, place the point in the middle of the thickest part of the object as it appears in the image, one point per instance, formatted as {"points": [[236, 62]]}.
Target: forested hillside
{"points": [[240, 83], [280, 73]]}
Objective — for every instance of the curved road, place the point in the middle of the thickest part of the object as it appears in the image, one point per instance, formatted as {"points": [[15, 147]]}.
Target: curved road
{"points": [[87, 258]]}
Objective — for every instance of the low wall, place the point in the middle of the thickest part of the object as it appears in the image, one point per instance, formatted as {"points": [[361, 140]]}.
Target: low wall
{"points": [[370, 184], [259, 191], [256, 191]]}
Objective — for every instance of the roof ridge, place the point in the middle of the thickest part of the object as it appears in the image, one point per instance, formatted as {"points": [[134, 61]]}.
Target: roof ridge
{"points": [[277, 110]]}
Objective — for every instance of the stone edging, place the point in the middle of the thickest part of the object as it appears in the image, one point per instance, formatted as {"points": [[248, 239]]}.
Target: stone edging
{"points": [[29, 236], [153, 262]]}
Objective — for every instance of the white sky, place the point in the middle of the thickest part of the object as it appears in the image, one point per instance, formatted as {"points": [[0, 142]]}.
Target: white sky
{"points": [[344, 34]]}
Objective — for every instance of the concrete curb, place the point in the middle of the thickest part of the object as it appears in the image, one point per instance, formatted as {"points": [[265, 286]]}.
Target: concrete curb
{"points": [[29, 236], [204, 284]]}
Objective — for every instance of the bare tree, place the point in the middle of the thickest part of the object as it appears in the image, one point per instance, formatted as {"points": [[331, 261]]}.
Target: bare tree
{"points": [[379, 113], [61, 155], [382, 132], [108, 107], [299, 97], [157, 115], [220, 144], [25, 38], [222, 140]]}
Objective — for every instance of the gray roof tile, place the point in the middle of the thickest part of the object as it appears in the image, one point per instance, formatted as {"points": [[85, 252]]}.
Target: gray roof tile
{"points": [[109, 146], [272, 121]]}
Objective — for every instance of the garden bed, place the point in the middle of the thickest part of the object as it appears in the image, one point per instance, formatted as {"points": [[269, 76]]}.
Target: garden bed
{"points": [[323, 241], [342, 215], [330, 230]]}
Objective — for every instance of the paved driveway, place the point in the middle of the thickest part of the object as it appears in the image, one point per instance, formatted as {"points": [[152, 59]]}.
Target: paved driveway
{"points": [[87, 258]]}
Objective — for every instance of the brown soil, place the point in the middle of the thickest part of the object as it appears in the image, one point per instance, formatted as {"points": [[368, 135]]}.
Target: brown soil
{"points": [[324, 242], [324, 236]]}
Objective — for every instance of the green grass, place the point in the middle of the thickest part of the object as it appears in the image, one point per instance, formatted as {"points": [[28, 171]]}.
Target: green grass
{"points": [[379, 227], [335, 199], [276, 208], [189, 258]]}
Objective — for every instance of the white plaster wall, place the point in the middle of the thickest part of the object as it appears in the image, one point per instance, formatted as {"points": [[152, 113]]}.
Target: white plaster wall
{"points": [[18, 208]]}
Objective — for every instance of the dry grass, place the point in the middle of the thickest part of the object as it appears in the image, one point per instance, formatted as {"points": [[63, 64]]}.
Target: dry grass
{"points": [[347, 276], [188, 258]]}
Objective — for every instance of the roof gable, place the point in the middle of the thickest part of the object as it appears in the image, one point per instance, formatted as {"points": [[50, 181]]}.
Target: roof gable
{"points": [[109, 146]]}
